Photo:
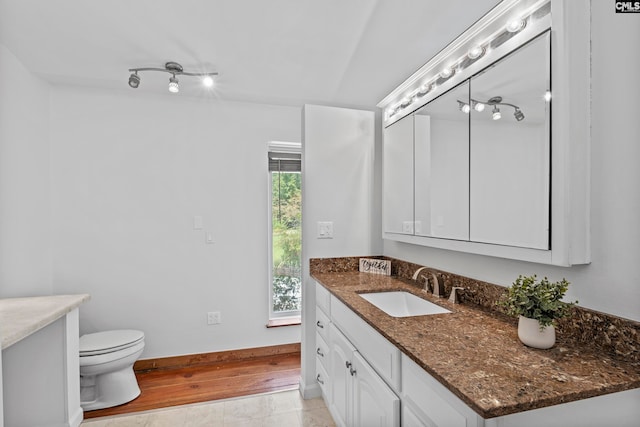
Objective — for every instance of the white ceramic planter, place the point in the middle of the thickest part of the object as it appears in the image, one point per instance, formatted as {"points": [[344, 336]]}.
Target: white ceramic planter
{"points": [[530, 334]]}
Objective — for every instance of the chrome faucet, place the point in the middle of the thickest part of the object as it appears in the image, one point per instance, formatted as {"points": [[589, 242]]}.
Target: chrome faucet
{"points": [[438, 289], [416, 277]]}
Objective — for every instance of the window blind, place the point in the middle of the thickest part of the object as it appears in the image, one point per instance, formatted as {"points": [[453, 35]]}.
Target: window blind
{"points": [[285, 162]]}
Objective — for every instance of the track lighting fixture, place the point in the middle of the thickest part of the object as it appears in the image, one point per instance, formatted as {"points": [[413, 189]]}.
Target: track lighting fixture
{"points": [[174, 69], [496, 114]]}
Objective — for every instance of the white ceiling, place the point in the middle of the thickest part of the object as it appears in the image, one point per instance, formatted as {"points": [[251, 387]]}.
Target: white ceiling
{"points": [[287, 52]]}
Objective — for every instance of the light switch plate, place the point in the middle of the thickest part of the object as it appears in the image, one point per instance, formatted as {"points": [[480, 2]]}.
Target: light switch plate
{"points": [[325, 229]]}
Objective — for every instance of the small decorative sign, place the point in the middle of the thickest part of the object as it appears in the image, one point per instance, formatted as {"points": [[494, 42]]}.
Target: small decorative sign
{"points": [[375, 266]]}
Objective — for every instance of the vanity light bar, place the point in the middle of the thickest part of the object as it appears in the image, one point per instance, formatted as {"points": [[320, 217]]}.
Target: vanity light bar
{"points": [[497, 27]]}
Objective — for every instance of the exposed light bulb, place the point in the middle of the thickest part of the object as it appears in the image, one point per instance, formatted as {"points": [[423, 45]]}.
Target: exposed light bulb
{"points": [[547, 96], [516, 25], [475, 52], [424, 89], [478, 106], [207, 81], [496, 113], [173, 85], [447, 72]]}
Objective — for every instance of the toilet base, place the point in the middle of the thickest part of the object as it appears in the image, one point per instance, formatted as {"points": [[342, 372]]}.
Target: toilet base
{"points": [[109, 389]]}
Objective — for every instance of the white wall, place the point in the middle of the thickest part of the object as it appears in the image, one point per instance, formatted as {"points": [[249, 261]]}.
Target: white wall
{"points": [[129, 172], [25, 236], [611, 283], [337, 185]]}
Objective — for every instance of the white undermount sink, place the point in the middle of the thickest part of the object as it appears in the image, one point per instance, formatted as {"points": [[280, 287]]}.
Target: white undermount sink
{"points": [[403, 304]]}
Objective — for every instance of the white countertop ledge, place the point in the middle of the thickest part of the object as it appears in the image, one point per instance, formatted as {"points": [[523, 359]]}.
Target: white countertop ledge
{"points": [[21, 317]]}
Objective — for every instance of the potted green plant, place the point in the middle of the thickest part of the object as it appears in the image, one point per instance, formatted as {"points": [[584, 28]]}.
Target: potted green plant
{"points": [[537, 303]]}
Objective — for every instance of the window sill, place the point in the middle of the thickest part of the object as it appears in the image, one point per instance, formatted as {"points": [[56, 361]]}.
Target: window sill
{"points": [[284, 321]]}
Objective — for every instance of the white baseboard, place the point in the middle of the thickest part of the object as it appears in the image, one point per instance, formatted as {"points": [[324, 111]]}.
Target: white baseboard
{"points": [[310, 391]]}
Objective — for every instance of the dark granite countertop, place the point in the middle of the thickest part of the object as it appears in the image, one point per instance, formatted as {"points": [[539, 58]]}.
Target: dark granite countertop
{"points": [[476, 353]]}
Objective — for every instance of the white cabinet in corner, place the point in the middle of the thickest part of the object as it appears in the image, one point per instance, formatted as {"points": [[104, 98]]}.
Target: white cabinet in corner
{"points": [[428, 403], [359, 397]]}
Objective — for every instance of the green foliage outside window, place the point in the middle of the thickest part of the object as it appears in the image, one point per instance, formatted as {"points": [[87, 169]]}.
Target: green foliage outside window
{"points": [[287, 243]]}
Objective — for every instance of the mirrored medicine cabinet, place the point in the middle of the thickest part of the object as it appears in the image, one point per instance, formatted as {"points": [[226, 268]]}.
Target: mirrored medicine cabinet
{"points": [[471, 169], [477, 157]]}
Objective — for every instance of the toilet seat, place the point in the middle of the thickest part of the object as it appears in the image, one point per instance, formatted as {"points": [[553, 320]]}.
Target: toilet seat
{"points": [[109, 341]]}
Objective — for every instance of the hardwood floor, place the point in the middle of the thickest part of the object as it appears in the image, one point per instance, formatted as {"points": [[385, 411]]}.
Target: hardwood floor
{"points": [[178, 386]]}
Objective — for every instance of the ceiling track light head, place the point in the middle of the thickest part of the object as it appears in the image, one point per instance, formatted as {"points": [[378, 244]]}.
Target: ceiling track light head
{"points": [[464, 107], [496, 115], [134, 80], [518, 114], [174, 86], [478, 106]]}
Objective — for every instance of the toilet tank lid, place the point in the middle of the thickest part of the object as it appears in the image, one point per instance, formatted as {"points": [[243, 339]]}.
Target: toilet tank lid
{"points": [[109, 340]]}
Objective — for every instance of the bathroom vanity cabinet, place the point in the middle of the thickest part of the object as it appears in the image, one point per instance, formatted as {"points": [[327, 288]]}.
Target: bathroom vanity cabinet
{"points": [[394, 387], [40, 361]]}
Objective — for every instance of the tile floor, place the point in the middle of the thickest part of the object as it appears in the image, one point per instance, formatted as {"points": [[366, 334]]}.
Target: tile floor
{"points": [[280, 409]]}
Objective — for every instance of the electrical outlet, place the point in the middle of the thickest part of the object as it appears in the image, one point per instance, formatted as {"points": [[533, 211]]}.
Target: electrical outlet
{"points": [[213, 318]]}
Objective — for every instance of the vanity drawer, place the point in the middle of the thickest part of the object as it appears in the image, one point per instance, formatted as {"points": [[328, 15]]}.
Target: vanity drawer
{"points": [[322, 324], [323, 379], [323, 298], [322, 351]]}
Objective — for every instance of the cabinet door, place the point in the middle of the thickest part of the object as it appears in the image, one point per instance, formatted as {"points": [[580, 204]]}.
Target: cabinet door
{"points": [[374, 404], [341, 359], [442, 166], [410, 417], [397, 177]]}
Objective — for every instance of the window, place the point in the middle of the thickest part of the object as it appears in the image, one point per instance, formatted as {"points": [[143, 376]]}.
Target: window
{"points": [[285, 230]]}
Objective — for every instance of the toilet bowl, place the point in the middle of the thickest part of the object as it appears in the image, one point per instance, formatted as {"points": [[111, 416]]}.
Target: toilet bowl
{"points": [[106, 368]]}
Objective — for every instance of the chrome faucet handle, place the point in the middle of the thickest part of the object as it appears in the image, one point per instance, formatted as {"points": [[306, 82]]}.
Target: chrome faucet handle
{"points": [[454, 298], [438, 290]]}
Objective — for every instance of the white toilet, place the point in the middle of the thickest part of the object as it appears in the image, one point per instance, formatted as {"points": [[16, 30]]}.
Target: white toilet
{"points": [[106, 368]]}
